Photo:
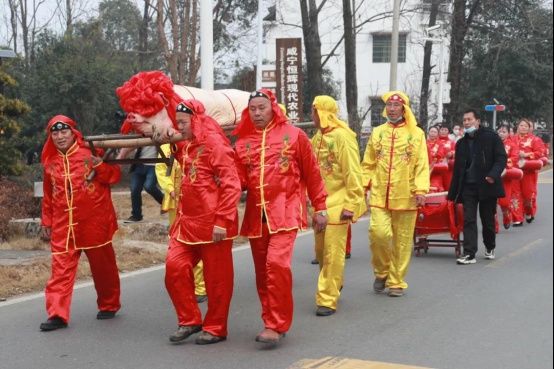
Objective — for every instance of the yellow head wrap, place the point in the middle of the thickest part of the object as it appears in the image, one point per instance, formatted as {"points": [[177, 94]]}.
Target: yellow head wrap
{"points": [[327, 109], [283, 108], [409, 117]]}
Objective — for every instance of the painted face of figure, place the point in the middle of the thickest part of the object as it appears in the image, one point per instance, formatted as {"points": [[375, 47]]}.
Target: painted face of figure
{"points": [[433, 133], [315, 118], [524, 127], [63, 139], [184, 125], [504, 133], [158, 126], [395, 110], [260, 112]]}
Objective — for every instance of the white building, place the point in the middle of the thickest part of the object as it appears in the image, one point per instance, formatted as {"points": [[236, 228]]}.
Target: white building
{"points": [[374, 18]]}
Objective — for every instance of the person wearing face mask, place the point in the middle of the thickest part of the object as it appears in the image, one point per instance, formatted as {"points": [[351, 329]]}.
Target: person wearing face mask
{"points": [[77, 216], [476, 183], [395, 170]]}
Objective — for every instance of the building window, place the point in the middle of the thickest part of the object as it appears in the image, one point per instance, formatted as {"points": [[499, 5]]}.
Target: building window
{"points": [[382, 46], [377, 106]]}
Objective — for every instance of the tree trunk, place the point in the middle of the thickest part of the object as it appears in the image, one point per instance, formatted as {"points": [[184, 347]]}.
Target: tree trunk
{"points": [[168, 54], [428, 49], [13, 22], [194, 56], [460, 26], [143, 36], [69, 19], [24, 29], [312, 45], [350, 67]]}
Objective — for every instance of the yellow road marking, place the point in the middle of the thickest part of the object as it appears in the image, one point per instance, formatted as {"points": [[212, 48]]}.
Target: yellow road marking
{"points": [[515, 254], [331, 362]]}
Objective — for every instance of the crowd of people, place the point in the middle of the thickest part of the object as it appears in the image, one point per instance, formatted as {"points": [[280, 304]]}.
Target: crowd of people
{"points": [[280, 169]]}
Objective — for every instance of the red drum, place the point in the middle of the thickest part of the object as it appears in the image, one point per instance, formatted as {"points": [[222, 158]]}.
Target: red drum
{"points": [[439, 168], [545, 161], [530, 165], [512, 174], [450, 163]]}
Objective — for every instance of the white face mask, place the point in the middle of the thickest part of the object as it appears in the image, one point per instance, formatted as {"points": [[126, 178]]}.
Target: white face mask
{"points": [[394, 121], [470, 130]]}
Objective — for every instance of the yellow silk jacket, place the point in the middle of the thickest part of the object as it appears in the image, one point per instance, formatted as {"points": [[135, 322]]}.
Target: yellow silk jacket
{"points": [[396, 167], [339, 161], [169, 183]]}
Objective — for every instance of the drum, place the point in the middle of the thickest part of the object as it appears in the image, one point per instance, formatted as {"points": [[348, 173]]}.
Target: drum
{"points": [[450, 164], [530, 165], [439, 168], [512, 174]]}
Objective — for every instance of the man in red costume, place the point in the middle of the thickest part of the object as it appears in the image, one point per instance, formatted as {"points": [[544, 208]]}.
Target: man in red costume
{"points": [[276, 165], [206, 223], [77, 215]]}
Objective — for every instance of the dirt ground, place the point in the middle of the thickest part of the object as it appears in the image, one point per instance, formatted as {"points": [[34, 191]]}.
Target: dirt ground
{"points": [[137, 245]]}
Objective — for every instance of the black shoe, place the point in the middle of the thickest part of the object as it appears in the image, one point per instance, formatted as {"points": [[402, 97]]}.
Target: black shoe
{"points": [[518, 224], [530, 220], [184, 331], [133, 219], [324, 311], [53, 324], [201, 298], [379, 285], [206, 338], [466, 260], [105, 314], [507, 226], [347, 256], [315, 262]]}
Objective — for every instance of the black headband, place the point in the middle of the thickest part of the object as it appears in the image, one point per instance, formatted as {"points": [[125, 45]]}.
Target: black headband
{"points": [[182, 108], [255, 94], [58, 126]]}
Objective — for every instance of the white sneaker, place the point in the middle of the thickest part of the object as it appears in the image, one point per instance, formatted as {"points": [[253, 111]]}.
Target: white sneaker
{"points": [[489, 255], [466, 260]]}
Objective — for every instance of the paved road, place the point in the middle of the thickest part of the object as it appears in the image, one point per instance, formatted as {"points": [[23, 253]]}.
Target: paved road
{"points": [[488, 315]]}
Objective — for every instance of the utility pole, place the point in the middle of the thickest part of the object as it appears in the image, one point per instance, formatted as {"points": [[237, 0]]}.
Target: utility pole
{"points": [[394, 45], [259, 64], [207, 44]]}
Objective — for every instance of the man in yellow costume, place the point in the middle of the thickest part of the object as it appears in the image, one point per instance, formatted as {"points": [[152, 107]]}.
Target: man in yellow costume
{"points": [[336, 149], [171, 185], [396, 172]]}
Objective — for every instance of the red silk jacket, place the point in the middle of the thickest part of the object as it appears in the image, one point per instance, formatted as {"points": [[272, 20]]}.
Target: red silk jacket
{"points": [[512, 151], [210, 191], [436, 151], [276, 165], [80, 212], [530, 144]]}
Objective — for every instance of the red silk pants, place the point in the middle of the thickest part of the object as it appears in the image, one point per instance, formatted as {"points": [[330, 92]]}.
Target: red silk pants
{"points": [[218, 276], [59, 289], [272, 255]]}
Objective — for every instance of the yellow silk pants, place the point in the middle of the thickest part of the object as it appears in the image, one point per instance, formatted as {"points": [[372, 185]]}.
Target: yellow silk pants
{"points": [[200, 286], [391, 236], [330, 248]]}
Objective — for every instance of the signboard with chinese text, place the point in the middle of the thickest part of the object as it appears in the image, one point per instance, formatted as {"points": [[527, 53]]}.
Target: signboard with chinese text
{"points": [[289, 76]]}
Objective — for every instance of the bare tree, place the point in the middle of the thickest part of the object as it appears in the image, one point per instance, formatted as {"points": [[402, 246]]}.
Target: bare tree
{"points": [[143, 34], [427, 68], [351, 78], [312, 44], [13, 21], [461, 21], [68, 19]]}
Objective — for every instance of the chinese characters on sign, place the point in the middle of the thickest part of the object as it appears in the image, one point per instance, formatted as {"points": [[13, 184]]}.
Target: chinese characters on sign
{"points": [[289, 76]]}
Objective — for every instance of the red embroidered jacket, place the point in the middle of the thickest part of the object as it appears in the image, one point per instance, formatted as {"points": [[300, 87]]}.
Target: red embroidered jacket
{"points": [[276, 165], [210, 190], [80, 212]]}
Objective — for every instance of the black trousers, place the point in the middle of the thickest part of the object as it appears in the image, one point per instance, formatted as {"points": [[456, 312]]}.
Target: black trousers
{"points": [[487, 212]]}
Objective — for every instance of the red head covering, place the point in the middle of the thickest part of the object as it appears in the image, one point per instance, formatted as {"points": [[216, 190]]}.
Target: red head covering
{"points": [[246, 126], [201, 124], [49, 149], [147, 93], [397, 98]]}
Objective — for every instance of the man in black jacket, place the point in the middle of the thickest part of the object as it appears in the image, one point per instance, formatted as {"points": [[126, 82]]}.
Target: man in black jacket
{"points": [[476, 182]]}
